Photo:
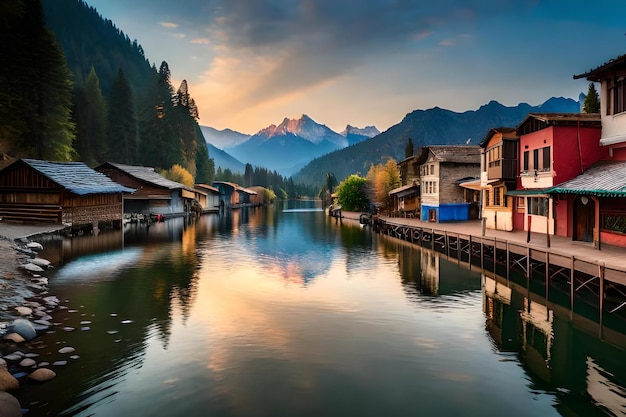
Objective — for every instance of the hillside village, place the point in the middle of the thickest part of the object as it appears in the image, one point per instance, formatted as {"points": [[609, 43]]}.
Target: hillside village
{"points": [[561, 174]]}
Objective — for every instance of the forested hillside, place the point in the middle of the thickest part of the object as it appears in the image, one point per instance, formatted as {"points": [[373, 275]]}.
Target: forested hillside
{"points": [[77, 88], [425, 127]]}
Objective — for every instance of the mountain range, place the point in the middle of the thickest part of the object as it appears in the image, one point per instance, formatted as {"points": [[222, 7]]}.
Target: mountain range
{"points": [[434, 126], [308, 151], [286, 147]]}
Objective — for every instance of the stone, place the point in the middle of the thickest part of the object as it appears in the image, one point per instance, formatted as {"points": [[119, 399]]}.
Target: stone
{"points": [[66, 349], [3, 364], [14, 337], [24, 328], [9, 406], [59, 363], [15, 356], [32, 267], [8, 381], [44, 263], [42, 375], [24, 311], [34, 245], [27, 362]]}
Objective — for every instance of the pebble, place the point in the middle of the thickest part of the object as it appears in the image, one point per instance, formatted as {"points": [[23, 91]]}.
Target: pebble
{"points": [[24, 311], [69, 329], [27, 362], [59, 363], [42, 375], [9, 405], [67, 349]]}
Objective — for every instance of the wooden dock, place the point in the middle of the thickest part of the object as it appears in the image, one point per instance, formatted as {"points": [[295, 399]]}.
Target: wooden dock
{"points": [[585, 280]]}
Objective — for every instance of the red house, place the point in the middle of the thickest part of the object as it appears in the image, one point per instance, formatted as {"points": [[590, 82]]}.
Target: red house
{"points": [[554, 148]]}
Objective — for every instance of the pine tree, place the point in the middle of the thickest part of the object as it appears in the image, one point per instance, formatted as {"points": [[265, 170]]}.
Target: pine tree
{"points": [[36, 93], [122, 132], [408, 149], [592, 101], [91, 122]]}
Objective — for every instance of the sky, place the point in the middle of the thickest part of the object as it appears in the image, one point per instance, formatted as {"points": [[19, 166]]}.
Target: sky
{"points": [[252, 63]]}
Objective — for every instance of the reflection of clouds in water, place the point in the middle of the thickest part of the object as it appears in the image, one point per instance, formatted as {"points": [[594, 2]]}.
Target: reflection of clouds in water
{"points": [[101, 267]]}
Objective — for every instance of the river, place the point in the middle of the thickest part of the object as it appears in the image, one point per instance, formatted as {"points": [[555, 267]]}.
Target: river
{"points": [[283, 311]]}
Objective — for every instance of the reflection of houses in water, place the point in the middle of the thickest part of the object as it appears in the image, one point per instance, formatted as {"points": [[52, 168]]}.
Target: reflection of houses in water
{"points": [[501, 316], [436, 275], [430, 272], [557, 354], [537, 337]]}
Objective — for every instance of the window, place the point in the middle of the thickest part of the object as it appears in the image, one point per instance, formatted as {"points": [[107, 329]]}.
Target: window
{"points": [[521, 204], [546, 158], [538, 206], [616, 96], [435, 187], [487, 202], [497, 195], [432, 170], [526, 157], [535, 159]]}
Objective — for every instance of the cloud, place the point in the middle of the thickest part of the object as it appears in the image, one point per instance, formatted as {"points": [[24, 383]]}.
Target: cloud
{"points": [[169, 25], [200, 41]]}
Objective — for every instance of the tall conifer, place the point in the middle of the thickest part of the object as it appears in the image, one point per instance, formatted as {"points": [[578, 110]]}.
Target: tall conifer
{"points": [[91, 121], [122, 131]]}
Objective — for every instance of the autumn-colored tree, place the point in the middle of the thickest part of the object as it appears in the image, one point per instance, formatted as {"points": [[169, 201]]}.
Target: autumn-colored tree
{"points": [[179, 174], [383, 178]]}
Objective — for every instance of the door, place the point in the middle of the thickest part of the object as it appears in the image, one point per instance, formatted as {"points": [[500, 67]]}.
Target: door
{"points": [[584, 218]]}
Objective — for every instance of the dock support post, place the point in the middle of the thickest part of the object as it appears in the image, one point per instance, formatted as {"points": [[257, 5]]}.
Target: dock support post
{"points": [[495, 252], [482, 254], [571, 289], [547, 276], [601, 295], [508, 263], [469, 251]]}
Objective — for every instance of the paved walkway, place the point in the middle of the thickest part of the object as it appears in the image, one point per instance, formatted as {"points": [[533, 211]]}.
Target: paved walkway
{"points": [[612, 256], [15, 230]]}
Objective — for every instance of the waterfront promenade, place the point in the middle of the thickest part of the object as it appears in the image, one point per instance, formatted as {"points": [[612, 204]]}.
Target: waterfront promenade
{"points": [[612, 256]]}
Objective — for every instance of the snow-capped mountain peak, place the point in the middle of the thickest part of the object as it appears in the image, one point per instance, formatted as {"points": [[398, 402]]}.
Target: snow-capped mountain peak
{"points": [[369, 131]]}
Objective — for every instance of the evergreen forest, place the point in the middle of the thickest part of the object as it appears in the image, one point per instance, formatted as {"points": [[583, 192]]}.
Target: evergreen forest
{"points": [[76, 88]]}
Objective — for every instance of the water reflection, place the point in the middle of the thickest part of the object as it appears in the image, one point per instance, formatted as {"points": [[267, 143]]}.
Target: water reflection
{"points": [[559, 357], [267, 312]]}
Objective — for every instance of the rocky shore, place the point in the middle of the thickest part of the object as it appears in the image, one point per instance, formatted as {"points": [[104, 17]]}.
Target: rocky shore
{"points": [[25, 313]]}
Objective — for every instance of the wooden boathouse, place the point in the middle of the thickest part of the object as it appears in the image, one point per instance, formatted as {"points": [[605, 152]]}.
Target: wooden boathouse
{"points": [[33, 190], [588, 288]]}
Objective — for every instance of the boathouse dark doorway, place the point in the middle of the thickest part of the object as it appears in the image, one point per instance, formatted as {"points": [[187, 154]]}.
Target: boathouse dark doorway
{"points": [[584, 218]]}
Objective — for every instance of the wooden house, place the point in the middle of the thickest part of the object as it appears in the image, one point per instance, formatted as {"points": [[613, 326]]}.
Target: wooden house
{"points": [[442, 170], [554, 148], [154, 193], [233, 195], [405, 200], [499, 174], [59, 192], [211, 202]]}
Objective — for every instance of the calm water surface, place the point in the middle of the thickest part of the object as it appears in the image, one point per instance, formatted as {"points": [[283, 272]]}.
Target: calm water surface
{"points": [[286, 312]]}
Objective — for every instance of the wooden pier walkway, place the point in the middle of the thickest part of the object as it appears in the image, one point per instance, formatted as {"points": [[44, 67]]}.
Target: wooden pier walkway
{"points": [[575, 273]]}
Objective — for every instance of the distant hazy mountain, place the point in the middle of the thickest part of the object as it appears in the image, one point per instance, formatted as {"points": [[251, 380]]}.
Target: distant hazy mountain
{"points": [[434, 126], [356, 135], [224, 160], [289, 146], [223, 139]]}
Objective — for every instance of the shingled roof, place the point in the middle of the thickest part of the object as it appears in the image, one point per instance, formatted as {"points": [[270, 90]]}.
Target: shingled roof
{"points": [[76, 177], [461, 154], [603, 179], [148, 174]]}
